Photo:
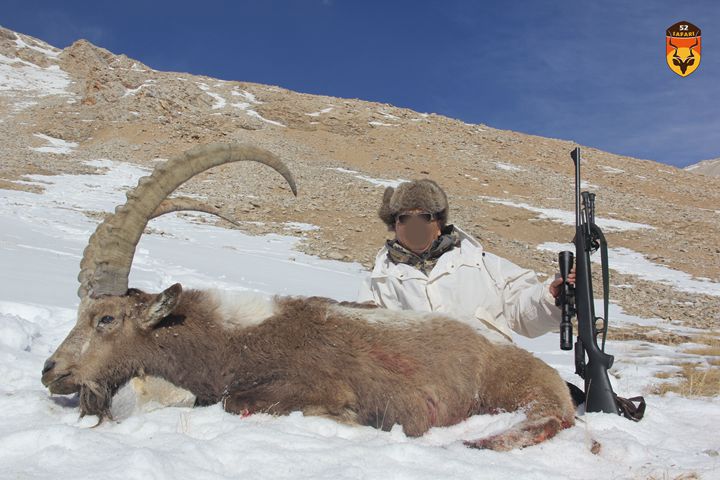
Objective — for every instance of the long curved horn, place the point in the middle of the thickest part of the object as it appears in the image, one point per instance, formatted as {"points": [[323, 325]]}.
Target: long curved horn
{"points": [[179, 204], [105, 267]]}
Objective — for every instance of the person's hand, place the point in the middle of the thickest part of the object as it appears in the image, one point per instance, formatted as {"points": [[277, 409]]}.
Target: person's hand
{"points": [[556, 285]]}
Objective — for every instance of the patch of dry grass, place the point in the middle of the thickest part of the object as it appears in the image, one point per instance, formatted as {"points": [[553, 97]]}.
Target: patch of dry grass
{"points": [[7, 185], [647, 334], [695, 381], [711, 348], [682, 476]]}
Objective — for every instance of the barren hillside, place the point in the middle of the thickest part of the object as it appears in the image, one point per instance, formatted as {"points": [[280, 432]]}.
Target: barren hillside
{"points": [[59, 108]]}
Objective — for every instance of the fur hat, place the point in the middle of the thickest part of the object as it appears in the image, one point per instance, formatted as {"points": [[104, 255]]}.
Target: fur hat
{"points": [[419, 194]]}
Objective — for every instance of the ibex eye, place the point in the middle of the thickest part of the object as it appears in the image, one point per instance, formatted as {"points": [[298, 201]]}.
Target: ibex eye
{"points": [[106, 319]]}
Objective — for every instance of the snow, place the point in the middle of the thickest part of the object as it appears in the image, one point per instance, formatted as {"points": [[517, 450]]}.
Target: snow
{"points": [[56, 145], [43, 48], [375, 181], [220, 102], [300, 226], [17, 333], [247, 96], [245, 106], [18, 75], [343, 170], [567, 217], [627, 261], [389, 116], [508, 167], [70, 195], [381, 124], [613, 170], [132, 91], [22, 105], [41, 437], [136, 68], [317, 114], [255, 114]]}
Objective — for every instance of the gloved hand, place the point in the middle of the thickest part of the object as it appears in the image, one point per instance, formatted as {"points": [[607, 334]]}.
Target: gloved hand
{"points": [[555, 286]]}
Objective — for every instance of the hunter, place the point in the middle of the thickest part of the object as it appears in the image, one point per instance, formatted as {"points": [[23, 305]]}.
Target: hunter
{"points": [[433, 266]]}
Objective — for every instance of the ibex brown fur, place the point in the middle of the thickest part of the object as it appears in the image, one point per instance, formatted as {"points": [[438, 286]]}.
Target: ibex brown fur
{"points": [[368, 366]]}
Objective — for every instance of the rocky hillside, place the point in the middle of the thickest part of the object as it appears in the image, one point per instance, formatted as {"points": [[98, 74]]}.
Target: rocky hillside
{"points": [[706, 167], [513, 191]]}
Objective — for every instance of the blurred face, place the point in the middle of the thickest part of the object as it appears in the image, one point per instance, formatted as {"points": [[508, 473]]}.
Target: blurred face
{"points": [[416, 230]]}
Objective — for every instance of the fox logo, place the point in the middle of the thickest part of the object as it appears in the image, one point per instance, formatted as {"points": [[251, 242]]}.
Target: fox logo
{"points": [[682, 48]]}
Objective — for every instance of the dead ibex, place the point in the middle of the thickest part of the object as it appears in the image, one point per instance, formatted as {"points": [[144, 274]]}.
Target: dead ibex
{"points": [[351, 362]]}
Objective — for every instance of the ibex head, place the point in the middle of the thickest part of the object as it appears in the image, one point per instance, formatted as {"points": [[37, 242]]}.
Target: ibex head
{"points": [[112, 319], [107, 346]]}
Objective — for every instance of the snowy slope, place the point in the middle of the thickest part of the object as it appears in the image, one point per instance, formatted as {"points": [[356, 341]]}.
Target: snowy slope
{"points": [[42, 237], [22, 82]]}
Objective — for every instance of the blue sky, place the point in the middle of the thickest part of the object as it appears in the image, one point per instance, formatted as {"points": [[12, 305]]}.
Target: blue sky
{"points": [[589, 71]]}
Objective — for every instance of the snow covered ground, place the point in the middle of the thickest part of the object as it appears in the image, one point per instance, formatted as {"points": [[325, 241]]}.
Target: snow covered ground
{"points": [[22, 81], [41, 240], [628, 261], [54, 145], [21, 76]]}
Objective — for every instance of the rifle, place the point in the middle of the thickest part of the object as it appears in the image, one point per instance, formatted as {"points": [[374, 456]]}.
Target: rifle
{"points": [[591, 361]]}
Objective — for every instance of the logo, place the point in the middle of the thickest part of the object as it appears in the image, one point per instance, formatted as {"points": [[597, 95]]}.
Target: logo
{"points": [[682, 48]]}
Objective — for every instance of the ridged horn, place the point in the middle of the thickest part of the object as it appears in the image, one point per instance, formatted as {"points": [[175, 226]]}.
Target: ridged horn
{"points": [[106, 262], [184, 204]]}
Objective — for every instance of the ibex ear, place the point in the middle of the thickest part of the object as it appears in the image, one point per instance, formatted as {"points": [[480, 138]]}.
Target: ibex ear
{"points": [[161, 307]]}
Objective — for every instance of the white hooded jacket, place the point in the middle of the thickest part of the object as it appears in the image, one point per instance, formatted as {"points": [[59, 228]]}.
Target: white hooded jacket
{"points": [[491, 294]]}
